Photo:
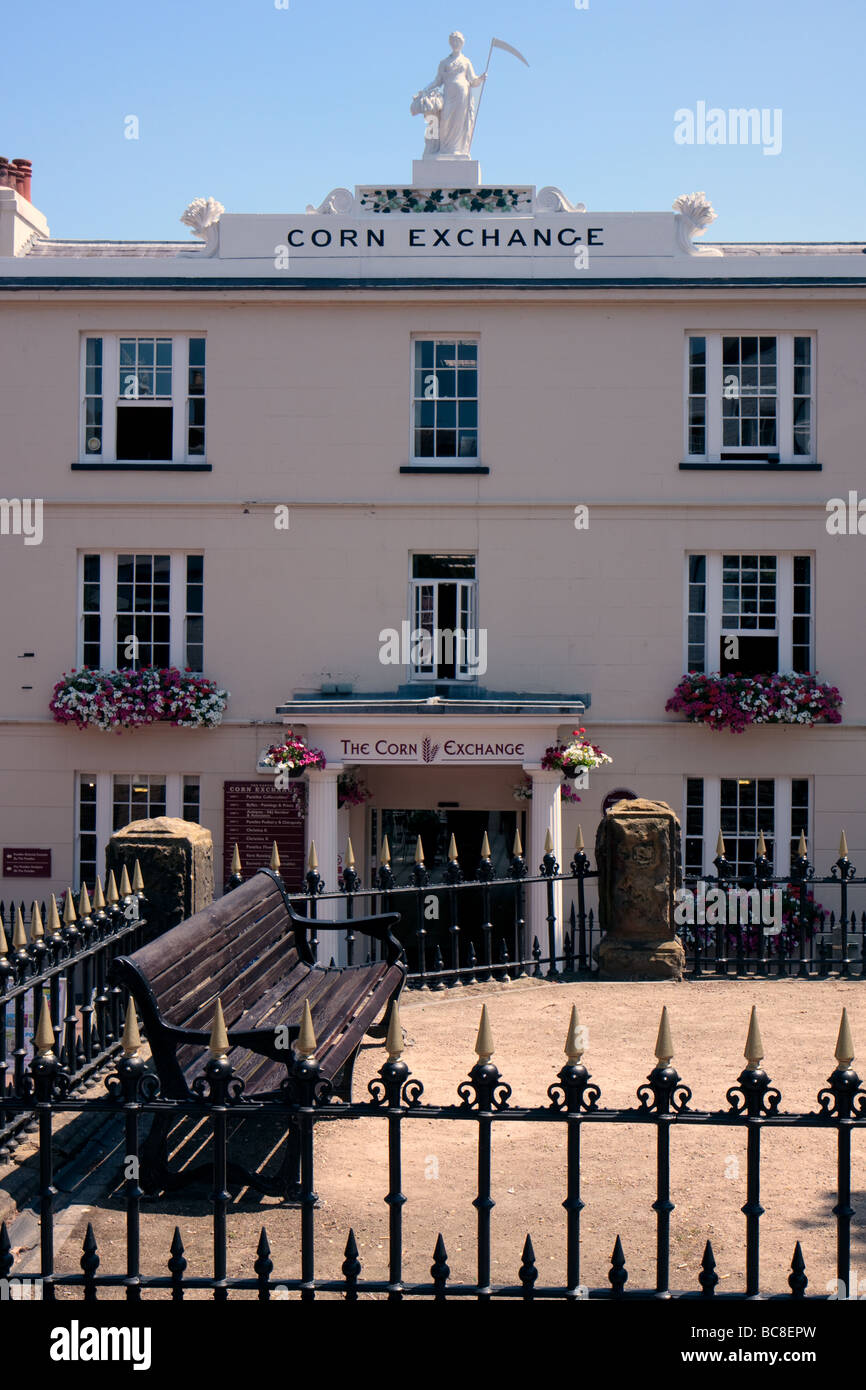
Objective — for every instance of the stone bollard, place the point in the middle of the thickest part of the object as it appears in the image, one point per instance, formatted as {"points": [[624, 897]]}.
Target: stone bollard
{"points": [[637, 849], [176, 858]]}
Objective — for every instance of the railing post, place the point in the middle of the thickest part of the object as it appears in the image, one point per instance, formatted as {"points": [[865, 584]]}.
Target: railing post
{"points": [[839, 1100], [580, 869], [846, 871], [754, 1098], [668, 1098], [385, 878], [486, 1091], [453, 876], [387, 1091], [573, 1095], [485, 874], [351, 884], [421, 878], [549, 869], [519, 871]]}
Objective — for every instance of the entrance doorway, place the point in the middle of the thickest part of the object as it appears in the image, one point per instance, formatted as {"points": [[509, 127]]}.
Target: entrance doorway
{"points": [[435, 828]]}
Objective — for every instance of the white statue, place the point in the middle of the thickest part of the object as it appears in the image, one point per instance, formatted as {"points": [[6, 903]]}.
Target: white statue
{"points": [[695, 215], [449, 97], [201, 214]]}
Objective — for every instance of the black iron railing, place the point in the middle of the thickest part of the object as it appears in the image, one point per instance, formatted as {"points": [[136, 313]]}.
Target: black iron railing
{"points": [[62, 957], [395, 1099], [457, 931]]}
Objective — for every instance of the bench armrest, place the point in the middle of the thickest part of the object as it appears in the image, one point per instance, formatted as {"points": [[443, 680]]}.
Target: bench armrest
{"points": [[380, 928]]}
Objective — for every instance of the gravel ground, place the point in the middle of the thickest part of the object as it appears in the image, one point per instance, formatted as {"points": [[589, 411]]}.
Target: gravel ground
{"points": [[799, 1022]]}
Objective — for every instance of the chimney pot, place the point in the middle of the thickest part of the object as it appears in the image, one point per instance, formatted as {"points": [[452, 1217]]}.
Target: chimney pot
{"points": [[25, 172]]}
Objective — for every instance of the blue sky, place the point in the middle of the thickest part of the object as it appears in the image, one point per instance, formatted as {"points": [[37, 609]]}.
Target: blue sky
{"points": [[267, 109]]}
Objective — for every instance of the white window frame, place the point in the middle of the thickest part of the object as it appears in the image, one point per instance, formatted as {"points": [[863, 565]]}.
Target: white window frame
{"points": [[179, 400], [783, 796], [108, 605], [784, 448], [105, 806], [449, 462], [713, 630], [466, 603]]}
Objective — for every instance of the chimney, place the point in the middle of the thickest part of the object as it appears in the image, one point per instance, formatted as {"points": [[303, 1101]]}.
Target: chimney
{"points": [[20, 221], [16, 174], [25, 171]]}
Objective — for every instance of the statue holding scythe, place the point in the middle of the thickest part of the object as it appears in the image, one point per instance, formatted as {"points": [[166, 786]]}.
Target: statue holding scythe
{"points": [[447, 105]]}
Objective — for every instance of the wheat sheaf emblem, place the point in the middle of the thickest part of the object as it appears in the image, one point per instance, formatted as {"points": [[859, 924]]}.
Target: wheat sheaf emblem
{"points": [[429, 751]]}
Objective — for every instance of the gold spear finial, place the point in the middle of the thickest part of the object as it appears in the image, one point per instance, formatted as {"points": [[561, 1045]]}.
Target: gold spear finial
{"points": [[68, 909], [275, 859], [37, 931], [84, 901], [517, 847], [53, 916], [131, 1040], [394, 1040], [664, 1049], [385, 856], [137, 880], [578, 839], [762, 843], [98, 896], [720, 846], [306, 1043], [485, 846], [844, 1043], [843, 846], [4, 944], [125, 885], [548, 841], [574, 1041], [111, 892], [419, 851], [19, 935], [44, 1037], [350, 853], [802, 848], [236, 861], [754, 1052], [218, 1042], [452, 849], [484, 1041], [312, 857]]}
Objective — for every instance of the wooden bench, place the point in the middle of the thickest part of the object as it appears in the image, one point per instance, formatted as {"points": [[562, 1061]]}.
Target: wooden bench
{"points": [[252, 950]]}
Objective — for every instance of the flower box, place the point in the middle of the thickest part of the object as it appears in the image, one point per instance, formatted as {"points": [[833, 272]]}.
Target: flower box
{"points": [[118, 700], [734, 701]]}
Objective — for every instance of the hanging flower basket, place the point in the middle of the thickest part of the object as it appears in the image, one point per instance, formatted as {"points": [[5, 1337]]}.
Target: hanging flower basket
{"points": [[118, 700], [734, 701], [351, 791], [294, 756], [575, 757]]}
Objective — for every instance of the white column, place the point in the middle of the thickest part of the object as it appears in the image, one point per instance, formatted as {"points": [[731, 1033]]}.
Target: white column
{"points": [[545, 814], [322, 830]]}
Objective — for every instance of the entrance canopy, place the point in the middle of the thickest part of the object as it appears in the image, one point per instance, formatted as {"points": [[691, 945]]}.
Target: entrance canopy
{"points": [[437, 731]]}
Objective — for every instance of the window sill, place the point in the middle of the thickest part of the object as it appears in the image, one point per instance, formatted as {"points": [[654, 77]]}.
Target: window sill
{"points": [[751, 466], [141, 467], [443, 468]]}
